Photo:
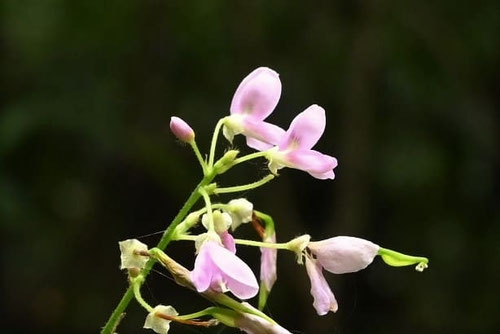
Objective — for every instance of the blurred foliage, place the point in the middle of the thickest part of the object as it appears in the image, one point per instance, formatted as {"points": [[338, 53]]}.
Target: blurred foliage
{"points": [[411, 92]]}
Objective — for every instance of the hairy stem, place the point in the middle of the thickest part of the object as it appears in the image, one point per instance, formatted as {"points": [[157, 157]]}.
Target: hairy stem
{"points": [[241, 242], [202, 162], [244, 187], [214, 142], [116, 316]]}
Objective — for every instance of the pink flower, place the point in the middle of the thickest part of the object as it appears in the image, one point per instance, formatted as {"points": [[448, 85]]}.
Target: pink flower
{"points": [[254, 100], [219, 269], [181, 129], [268, 264], [228, 241], [324, 300], [294, 149], [341, 255]]}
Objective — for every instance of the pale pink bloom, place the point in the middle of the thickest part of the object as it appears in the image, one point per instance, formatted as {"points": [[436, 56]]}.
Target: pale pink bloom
{"points": [[324, 300], [295, 147], [341, 255], [268, 264], [181, 129], [254, 100], [253, 324], [218, 269]]}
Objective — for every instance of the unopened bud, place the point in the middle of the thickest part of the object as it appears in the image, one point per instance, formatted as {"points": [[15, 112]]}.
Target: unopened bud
{"points": [[226, 161], [240, 210], [181, 129], [222, 221]]}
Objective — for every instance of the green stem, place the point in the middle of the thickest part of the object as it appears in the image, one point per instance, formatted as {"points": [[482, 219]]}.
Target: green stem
{"points": [[115, 317], [244, 187], [207, 311], [262, 244], [241, 242], [214, 142], [250, 157], [208, 205], [202, 162], [137, 293]]}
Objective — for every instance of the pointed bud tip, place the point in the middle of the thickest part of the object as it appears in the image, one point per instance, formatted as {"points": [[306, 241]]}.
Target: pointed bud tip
{"points": [[181, 129]]}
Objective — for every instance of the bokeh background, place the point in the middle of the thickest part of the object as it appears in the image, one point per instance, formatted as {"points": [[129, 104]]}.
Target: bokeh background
{"points": [[411, 91]]}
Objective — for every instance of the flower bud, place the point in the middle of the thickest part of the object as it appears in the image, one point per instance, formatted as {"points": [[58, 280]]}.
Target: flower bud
{"points": [[340, 255], [222, 221], [155, 322], [226, 161], [129, 257], [181, 129], [241, 211]]}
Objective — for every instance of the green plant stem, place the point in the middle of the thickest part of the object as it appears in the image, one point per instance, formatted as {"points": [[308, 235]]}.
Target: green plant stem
{"points": [[250, 157], [244, 187], [202, 162], [137, 283], [208, 205], [214, 142], [116, 316], [241, 242], [207, 311]]}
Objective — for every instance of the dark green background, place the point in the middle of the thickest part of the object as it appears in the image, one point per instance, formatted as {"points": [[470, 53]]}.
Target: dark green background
{"points": [[87, 90]]}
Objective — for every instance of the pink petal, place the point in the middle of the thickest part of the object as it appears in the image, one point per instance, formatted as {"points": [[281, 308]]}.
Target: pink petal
{"points": [[238, 275], [202, 273], [181, 129], [228, 241], [315, 163], [323, 176], [258, 94], [216, 266], [305, 130], [340, 255], [324, 300], [258, 145], [268, 264], [263, 132]]}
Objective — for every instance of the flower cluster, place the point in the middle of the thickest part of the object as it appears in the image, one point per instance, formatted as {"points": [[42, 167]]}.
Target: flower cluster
{"points": [[218, 271]]}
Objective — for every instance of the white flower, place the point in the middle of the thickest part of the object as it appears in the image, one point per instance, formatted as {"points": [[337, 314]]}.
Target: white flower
{"points": [[222, 221], [241, 211], [129, 258], [155, 322]]}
